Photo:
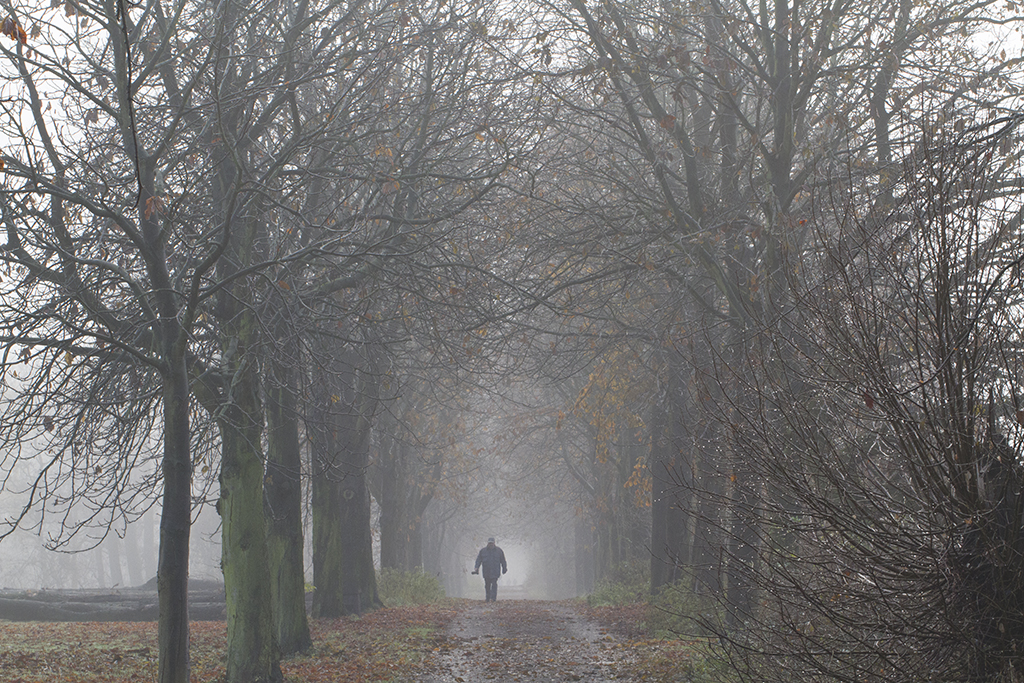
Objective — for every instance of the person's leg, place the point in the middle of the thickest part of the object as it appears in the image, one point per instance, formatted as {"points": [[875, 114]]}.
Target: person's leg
{"points": [[492, 589]]}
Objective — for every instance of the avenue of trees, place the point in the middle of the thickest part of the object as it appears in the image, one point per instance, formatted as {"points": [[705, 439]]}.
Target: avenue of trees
{"points": [[736, 284]]}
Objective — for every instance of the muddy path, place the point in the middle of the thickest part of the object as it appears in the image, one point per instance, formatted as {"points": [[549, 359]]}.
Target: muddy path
{"points": [[527, 641]]}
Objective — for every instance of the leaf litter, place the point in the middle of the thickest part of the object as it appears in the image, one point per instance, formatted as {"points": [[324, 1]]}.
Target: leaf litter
{"points": [[459, 641]]}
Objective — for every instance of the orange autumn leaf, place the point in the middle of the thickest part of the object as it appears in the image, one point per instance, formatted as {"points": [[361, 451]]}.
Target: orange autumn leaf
{"points": [[12, 29], [154, 205]]}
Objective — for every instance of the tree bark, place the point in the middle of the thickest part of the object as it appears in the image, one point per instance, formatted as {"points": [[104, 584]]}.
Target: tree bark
{"points": [[668, 523], [393, 532], [253, 655], [326, 518], [283, 505], [343, 571], [584, 552], [414, 550], [175, 526]]}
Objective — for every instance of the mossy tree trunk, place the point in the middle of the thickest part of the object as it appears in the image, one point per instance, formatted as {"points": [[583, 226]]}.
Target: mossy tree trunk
{"points": [[283, 504], [253, 655], [252, 652]]}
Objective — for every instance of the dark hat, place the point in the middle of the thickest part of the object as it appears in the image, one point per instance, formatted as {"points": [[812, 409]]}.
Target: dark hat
{"points": [[491, 539]]}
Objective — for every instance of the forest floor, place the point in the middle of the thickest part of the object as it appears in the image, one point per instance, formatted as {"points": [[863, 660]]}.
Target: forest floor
{"points": [[462, 641]]}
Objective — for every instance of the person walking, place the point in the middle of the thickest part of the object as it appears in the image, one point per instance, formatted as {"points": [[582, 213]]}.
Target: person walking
{"points": [[492, 559]]}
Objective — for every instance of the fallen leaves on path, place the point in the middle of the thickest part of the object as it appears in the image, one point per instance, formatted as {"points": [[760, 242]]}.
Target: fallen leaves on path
{"points": [[459, 642], [385, 645], [528, 642]]}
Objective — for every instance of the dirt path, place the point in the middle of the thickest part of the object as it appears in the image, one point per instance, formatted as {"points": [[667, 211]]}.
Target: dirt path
{"points": [[527, 641]]}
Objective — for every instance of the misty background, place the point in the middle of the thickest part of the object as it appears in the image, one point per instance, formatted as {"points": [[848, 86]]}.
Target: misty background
{"points": [[724, 296]]}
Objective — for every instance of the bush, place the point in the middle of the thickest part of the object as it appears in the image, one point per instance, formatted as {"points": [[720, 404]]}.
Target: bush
{"points": [[678, 611], [398, 588], [628, 583]]}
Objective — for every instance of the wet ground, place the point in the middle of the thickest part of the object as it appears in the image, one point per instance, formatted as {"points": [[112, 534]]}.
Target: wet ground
{"points": [[528, 641]]}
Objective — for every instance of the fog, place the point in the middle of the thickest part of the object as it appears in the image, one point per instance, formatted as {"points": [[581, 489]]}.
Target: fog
{"points": [[509, 495], [724, 297], [537, 544]]}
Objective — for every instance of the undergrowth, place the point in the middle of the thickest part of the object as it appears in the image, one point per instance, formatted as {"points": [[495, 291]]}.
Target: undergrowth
{"points": [[398, 588], [669, 628], [626, 584]]}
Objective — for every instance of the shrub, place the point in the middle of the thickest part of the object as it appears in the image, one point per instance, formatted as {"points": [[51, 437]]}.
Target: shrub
{"points": [[677, 611], [397, 587], [628, 583]]}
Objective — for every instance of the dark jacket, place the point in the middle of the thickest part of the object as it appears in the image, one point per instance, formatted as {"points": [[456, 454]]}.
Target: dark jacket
{"points": [[492, 559]]}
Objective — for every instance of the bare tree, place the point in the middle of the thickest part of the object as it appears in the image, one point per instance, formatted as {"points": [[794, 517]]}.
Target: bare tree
{"points": [[705, 138], [890, 547]]}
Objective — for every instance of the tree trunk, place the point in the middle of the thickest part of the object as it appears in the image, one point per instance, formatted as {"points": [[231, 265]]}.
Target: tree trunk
{"points": [[584, 552], [359, 579], [392, 507], [672, 482], [114, 561], [175, 525], [253, 655], [343, 571], [326, 519], [414, 551], [420, 494], [99, 569], [283, 505], [432, 532]]}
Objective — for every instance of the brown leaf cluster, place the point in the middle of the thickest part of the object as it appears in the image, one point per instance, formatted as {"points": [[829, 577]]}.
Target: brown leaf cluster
{"points": [[13, 30]]}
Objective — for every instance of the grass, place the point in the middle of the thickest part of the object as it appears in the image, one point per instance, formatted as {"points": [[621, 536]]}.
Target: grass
{"points": [[659, 657], [399, 588], [664, 632], [627, 584]]}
